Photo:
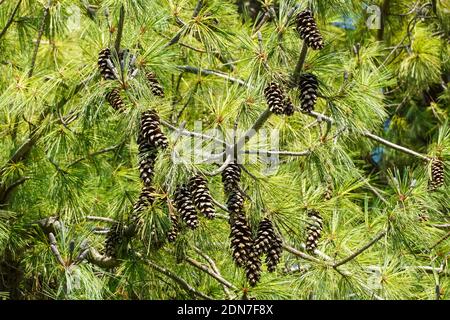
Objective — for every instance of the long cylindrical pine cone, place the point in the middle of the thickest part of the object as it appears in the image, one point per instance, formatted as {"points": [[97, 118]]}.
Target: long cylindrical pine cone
{"points": [[145, 200], [231, 176], [274, 254], [437, 174], [115, 100], [308, 31], [253, 268], [308, 91], [264, 236], [155, 86], [174, 229], [147, 158], [241, 239], [185, 207], [288, 107], [113, 240], [150, 130], [275, 98], [104, 67], [314, 230], [201, 196]]}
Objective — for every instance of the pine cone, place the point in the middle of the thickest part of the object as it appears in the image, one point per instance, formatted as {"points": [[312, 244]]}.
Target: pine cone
{"points": [[113, 240], [313, 230], [175, 228], [328, 194], [105, 69], [155, 86], [275, 98], [241, 239], [201, 196], [147, 158], [235, 201], [264, 237], [115, 100], [274, 254], [437, 174], [308, 91], [307, 28], [231, 177], [185, 207], [150, 130], [288, 107], [144, 201], [253, 268]]}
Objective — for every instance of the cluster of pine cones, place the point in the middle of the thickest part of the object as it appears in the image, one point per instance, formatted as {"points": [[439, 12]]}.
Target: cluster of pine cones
{"points": [[188, 198], [150, 140], [247, 251], [278, 102], [109, 70]]}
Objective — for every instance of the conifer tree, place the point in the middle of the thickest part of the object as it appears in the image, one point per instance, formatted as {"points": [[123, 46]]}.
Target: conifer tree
{"points": [[101, 184]]}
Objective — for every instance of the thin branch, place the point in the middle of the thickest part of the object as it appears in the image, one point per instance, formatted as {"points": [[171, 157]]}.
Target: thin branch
{"points": [[210, 272], [208, 72], [120, 29], [441, 240], [228, 160], [395, 146], [281, 152], [187, 133], [177, 279], [11, 19], [361, 250], [300, 63], [38, 40], [103, 219], [96, 153], [12, 187], [300, 254]]}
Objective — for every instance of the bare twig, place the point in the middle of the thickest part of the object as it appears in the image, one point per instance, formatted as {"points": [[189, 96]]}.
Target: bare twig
{"points": [[103, 219], [210, 272], [361, 250], [208, 72], [187, 133], [39, 37], [11, 19], [96, 153], [300, 254], [440, 240]]}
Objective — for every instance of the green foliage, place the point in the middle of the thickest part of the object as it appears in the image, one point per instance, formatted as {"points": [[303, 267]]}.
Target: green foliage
{"points": [[65, 153]]}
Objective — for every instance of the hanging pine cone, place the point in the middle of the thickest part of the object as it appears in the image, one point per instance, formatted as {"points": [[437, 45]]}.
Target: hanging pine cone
{"points": [[437, 174], [113, 240], [115, 100], [264, 236], [241, 239], [104, 67], [147, 158], [150, 130], [231, 177], [308, 91], [275, 98], [201, 196], [314, 230], [274, 254], [174, 229], [307, 28], [253, 268], [155, 86], [328, 194], [235, 201], [288, 107], [185, 206], [144, 201]]}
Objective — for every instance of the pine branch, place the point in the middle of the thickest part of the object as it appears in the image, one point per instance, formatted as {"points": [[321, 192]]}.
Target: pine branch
{"points": [[300, 63], [183, 283], [120, 29], [440, 240], [96, 153], [55, 251], [361, 250], [210, 272], [103, 219], [300, 254], [38, 40], [11, 19], [281, 152], [208, 72], [187, 133]]}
